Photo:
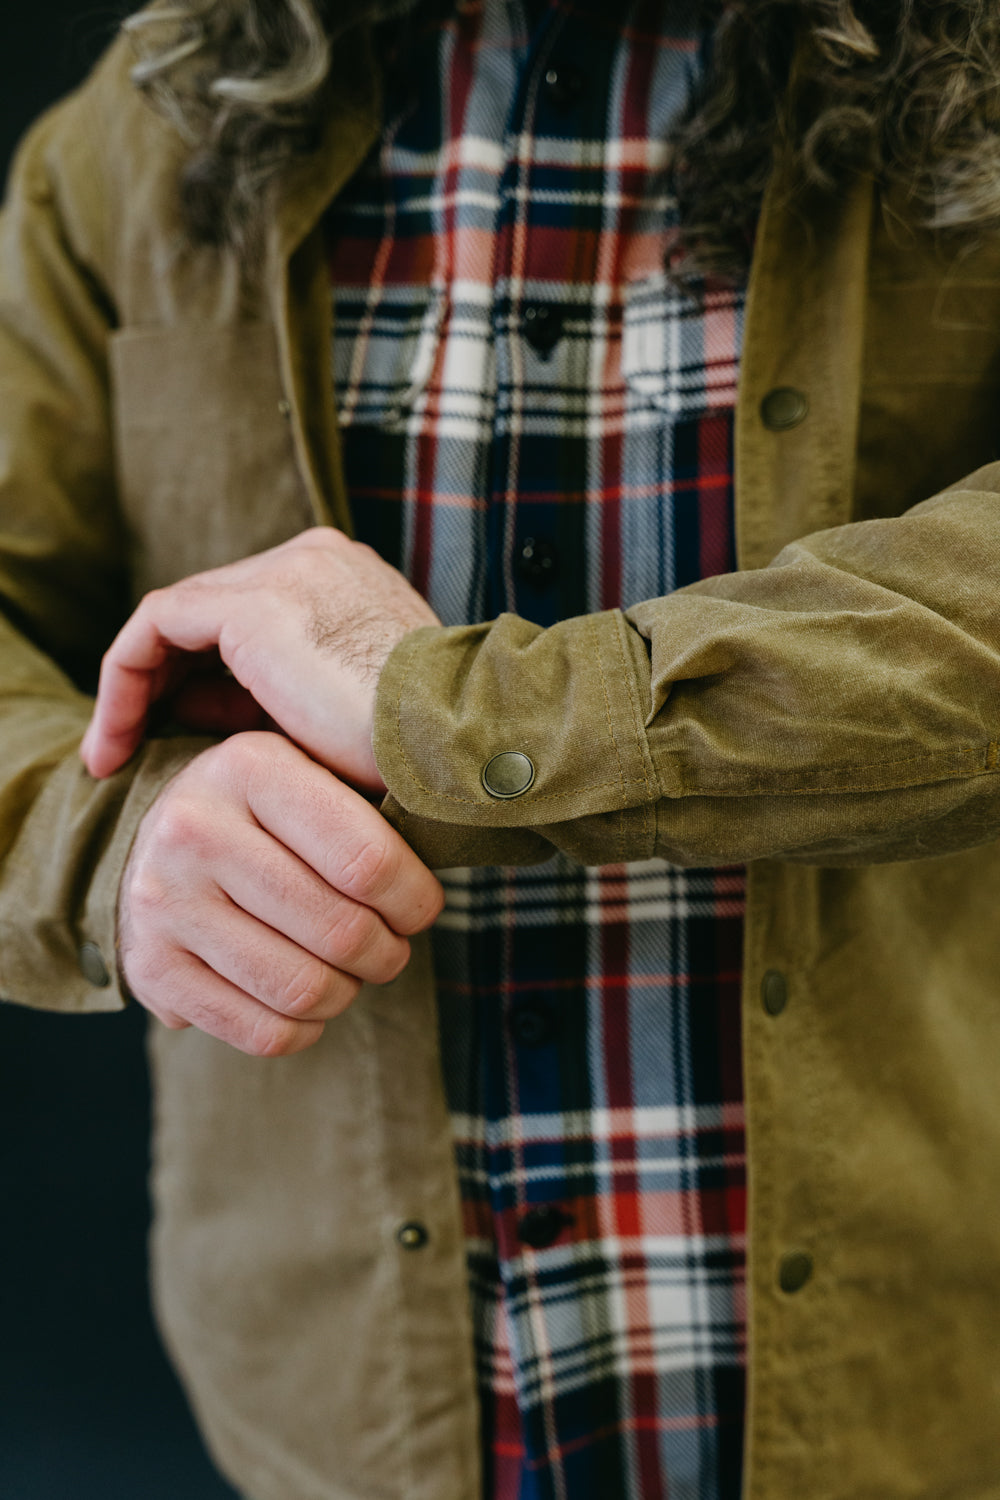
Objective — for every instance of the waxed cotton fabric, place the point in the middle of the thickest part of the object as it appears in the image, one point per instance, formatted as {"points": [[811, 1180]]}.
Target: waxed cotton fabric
{"points": [[873, 1133], [610, 1360]]}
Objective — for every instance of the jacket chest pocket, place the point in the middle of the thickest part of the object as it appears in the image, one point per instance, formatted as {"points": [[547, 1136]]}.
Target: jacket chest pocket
{"points": [[205, 460]]}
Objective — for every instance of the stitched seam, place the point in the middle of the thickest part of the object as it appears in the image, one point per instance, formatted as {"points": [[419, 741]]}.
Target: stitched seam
{"points": [[992, 756], [607, 703], [611, 731], [626, 673], [597, 786], [991, 751], [822, 791]]}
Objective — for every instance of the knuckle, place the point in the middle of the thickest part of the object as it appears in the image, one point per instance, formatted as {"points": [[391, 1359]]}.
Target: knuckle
{"points": [[368, 869], [144, 894], [181, 825], [255, 759], [316, 536], [305, 991], [170, 1019], [396, 962], [344, 993], [243, 755], [351, 934], [272, 1035], [435, 902], [151, 602], [158, 977], [425, 910], [143, 969]]}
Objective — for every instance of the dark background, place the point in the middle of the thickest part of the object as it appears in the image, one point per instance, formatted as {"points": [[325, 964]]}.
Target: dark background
{"points": [[89, 1409]]}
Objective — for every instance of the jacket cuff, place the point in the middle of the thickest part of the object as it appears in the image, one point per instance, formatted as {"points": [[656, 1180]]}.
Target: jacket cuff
{"points": [[509, 726], [52, 963]]}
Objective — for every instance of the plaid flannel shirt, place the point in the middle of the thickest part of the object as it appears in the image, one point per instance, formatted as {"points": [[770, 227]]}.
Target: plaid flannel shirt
{"points": [[535, 420]]}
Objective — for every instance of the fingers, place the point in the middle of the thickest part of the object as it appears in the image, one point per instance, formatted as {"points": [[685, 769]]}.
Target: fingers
{"points": [[261, 893], [305, 628], [339, 835], [198, 997], [140, 664], [257, 962], [266, 881]]}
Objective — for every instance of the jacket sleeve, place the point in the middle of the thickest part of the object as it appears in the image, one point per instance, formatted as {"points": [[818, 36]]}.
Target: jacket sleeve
{"points": [[63, 838], [840, 706]]}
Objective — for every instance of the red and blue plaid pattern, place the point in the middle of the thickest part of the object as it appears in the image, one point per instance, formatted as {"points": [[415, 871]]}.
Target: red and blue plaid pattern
{"points": [[535, 420]]}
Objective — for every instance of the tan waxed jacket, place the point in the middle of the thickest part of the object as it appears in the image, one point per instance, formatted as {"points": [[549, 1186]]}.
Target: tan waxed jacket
{"points": [[831, 716]]}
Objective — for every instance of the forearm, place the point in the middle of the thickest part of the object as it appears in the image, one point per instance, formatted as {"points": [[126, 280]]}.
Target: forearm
{"points": [[841, 704]]}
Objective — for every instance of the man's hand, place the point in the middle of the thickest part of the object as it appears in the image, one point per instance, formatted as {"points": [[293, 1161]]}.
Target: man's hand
{"points": [[260, 893], [305, 629]]}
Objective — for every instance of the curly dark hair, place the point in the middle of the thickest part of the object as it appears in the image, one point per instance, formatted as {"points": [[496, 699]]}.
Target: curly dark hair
{"points": [[907, 91]]}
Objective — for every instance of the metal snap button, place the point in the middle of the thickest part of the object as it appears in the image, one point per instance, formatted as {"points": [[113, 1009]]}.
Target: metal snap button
{"points": [[795, 1270], [774, 992], [92, 966], [508, 774], [413, 1235], [784, 407]]}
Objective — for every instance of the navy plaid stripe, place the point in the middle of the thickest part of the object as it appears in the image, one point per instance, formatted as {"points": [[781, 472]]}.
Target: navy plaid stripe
{"points": [[535, 420]]}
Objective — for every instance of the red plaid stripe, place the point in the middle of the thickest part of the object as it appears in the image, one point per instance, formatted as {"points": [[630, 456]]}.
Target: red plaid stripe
{"points": [[589, 1019]]}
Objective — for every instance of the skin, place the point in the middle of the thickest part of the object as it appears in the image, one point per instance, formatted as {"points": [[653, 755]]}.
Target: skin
{"points": [[262, 890]]}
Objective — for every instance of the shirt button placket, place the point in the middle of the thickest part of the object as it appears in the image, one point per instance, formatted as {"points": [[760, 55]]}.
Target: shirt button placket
{"points": [[535, 327], [537, 561], [540, 1227], [564, 85], [532, 1024], [543, 324]]}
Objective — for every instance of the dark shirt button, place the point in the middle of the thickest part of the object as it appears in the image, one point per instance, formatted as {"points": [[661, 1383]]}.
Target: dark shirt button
{"points": [[413, 1235], [509, 774], [543, 326], [784, 407], [795, 1270], [92, 966], [532, 1025], [563, 85], [541, 1227], [774, 992], [538, 560]]}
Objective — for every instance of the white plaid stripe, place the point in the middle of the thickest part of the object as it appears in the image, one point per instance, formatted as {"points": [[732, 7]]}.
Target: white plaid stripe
{"points": [[650, 891], [436, 368]]}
